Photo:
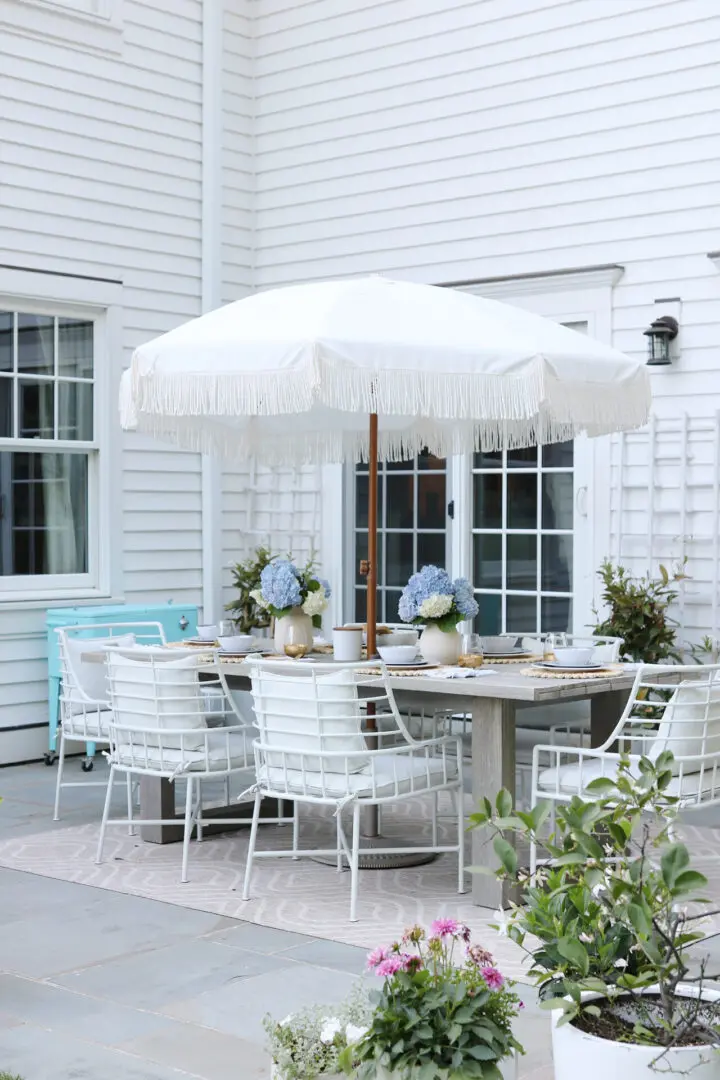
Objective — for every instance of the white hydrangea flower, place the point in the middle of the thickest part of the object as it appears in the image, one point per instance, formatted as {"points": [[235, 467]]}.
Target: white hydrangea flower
{"points": [[315, 603], [502, 921], [258, 597], [354, 1033], [435, 606], [330, 1029]]}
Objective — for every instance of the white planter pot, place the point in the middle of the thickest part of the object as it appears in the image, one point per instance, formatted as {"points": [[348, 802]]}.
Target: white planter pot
{"points": [[440, 647], [577, 1054], [275, 1074], [296, 629]]}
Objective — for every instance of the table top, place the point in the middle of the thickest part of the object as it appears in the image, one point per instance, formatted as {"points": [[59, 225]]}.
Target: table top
{"points": [[505, 682]]}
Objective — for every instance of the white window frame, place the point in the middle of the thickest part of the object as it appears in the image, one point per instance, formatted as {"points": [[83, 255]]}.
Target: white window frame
{"points": [[99, 301], [577, 296], [87, 25]]}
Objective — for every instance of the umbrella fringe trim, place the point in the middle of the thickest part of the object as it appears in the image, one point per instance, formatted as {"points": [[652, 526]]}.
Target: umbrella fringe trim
{"points": [[525, 396]]}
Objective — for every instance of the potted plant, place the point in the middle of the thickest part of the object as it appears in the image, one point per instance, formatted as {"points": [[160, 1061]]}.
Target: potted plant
{"points": [[308, 1044], [639, 612], [444, 1011], [607, 925], [295, 598], [431, 599], [247, 613]]}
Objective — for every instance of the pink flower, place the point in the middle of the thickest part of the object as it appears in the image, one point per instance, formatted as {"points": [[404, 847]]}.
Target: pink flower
{"points": [[376, 957], [390, 966], [493, 978], [479, 956], [445, 928]]}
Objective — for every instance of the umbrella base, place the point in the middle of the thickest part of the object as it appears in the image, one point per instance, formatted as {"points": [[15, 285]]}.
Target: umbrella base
{"points": [[381, 861]]}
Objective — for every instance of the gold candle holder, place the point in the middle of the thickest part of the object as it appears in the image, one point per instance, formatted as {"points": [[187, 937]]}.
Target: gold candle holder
{"points": [[470, 660], [296, 652]]}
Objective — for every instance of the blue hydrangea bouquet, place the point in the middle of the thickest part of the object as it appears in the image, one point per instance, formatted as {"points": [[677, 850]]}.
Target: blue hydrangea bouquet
{"points": [[432, 598], [285, 590]]}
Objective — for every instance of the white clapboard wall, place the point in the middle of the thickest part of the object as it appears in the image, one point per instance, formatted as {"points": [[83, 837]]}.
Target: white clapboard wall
{"points": [[665, 506]]}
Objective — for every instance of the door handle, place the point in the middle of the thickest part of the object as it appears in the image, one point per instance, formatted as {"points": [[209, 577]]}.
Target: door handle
{"points": [[581, 501]]}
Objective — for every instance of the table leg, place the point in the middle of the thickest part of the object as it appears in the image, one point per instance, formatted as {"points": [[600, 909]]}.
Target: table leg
{"points": [[605, 711], [157, 800], [493, 767]]}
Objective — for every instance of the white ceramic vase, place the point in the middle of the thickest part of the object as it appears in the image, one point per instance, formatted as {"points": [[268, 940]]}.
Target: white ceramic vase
{"points": [[440, 646], [578, 1054], [293, 629]]}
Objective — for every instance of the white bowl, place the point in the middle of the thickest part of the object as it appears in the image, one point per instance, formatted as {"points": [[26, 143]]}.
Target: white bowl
{"points": [[573, 657], [497, 644], [207, 633], [238, 643], [399, 637], [397, 654]]}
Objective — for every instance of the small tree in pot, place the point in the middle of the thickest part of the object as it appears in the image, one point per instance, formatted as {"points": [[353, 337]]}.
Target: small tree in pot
{"points": [[607, 924], [638, 612], [247, 613]]}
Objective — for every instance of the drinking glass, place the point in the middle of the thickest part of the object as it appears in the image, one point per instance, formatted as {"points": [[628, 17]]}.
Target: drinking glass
{"points": [[227, 628], [472, 645]]}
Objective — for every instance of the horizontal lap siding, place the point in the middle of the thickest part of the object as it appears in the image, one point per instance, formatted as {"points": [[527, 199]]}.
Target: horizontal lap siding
{"points": [[100, 174], [484, 138]]}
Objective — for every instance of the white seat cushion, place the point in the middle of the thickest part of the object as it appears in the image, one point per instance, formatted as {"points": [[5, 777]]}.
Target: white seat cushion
{"points": [[225, 751], [393, 774], [690, 726], [153, 691], [88, 724], [573, 779], [91, 676]]}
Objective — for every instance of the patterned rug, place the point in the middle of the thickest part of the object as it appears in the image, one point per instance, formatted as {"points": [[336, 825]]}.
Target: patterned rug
{"points": [[302, 896]]}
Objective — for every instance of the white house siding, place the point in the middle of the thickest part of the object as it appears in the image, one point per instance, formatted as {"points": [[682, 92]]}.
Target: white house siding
{"points": [[100, 175], [469, 140]]}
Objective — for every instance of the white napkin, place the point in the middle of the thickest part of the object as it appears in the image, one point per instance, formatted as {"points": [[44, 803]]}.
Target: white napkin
{"points": [[460, 673]]}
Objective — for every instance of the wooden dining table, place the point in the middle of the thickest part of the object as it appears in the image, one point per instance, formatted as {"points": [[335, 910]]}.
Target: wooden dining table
{"points": [[492, 698]]}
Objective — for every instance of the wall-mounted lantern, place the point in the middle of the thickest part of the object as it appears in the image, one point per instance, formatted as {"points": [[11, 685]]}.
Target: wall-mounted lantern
{"points": [[660, 333]]}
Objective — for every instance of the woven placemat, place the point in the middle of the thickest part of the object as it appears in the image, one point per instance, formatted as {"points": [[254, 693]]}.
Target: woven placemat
{"points": [[507, 660], [543, 673]]}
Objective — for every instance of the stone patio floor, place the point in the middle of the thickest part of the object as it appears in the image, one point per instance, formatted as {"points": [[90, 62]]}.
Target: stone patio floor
{"points": [[100, 985]]}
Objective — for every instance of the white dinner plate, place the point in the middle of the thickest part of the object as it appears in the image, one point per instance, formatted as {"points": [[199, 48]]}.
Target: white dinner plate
{"points": [[554, 665], [513, 654]]}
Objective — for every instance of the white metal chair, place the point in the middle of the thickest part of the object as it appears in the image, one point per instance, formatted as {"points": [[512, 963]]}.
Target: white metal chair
{"points": [[311, 749], [159, 727], [84, 693], [671, 707]]}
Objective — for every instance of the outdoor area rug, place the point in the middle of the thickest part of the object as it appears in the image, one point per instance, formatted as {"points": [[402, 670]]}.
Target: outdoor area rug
{"points": [[301, 896]]}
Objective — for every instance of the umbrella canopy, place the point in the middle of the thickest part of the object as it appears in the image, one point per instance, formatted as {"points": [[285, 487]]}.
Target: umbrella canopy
{"points": [[290, 376]]}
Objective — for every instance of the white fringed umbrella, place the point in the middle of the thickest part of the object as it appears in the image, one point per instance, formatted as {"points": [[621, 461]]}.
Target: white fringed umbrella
{"points": [[292, 376]]}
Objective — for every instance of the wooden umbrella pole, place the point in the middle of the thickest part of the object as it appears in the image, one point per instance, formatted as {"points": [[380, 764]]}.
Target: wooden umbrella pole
{"points": [[372, 538]]}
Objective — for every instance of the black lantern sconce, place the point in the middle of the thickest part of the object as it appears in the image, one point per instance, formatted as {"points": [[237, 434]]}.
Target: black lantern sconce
{"points": [[660, 333]]}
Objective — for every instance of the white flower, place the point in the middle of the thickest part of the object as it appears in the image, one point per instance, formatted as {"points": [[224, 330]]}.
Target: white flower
{"points": [[586, 938], [257, 596], [501, 919], [354, 1034], [435, 606], [330, 1029], [315, 603], [287, 1020], [597, 889], [621, 963]]}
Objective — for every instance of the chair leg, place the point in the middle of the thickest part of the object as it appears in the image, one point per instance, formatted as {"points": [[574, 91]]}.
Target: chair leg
{"points": [[296, 829], [129, 783], [227, 790], [188, 828], [338, 822], [106, 814], [251, 846], [199, 817], [354, 859], [435, 820], [58, 785], [461, 843]]}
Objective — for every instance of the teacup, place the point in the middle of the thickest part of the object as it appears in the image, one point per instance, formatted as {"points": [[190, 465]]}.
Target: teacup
{"points": [[573, 657]]}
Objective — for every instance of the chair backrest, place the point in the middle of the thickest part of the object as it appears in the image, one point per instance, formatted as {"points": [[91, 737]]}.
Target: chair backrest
{"points": [[310, 716], [606, 650], [82, 650], [675, 708], [154, 692]]}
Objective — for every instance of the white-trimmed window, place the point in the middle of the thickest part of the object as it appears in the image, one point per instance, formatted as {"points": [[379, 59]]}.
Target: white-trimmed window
{"points": [[48, 446]]}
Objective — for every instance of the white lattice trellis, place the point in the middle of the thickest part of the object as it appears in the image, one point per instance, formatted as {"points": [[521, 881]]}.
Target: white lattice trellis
{"points": [[665, 506], [276, 508]]}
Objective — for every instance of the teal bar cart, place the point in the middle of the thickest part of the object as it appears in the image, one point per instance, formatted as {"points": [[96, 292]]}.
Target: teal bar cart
{"points": [[178, 620]]}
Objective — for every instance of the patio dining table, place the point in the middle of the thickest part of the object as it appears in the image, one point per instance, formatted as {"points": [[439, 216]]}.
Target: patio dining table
{"points": [[493, 699]]}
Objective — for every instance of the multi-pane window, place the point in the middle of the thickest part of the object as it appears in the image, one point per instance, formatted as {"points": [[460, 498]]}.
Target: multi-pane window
{"points": [[523, 539], [46, 442], [412, 527]]}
